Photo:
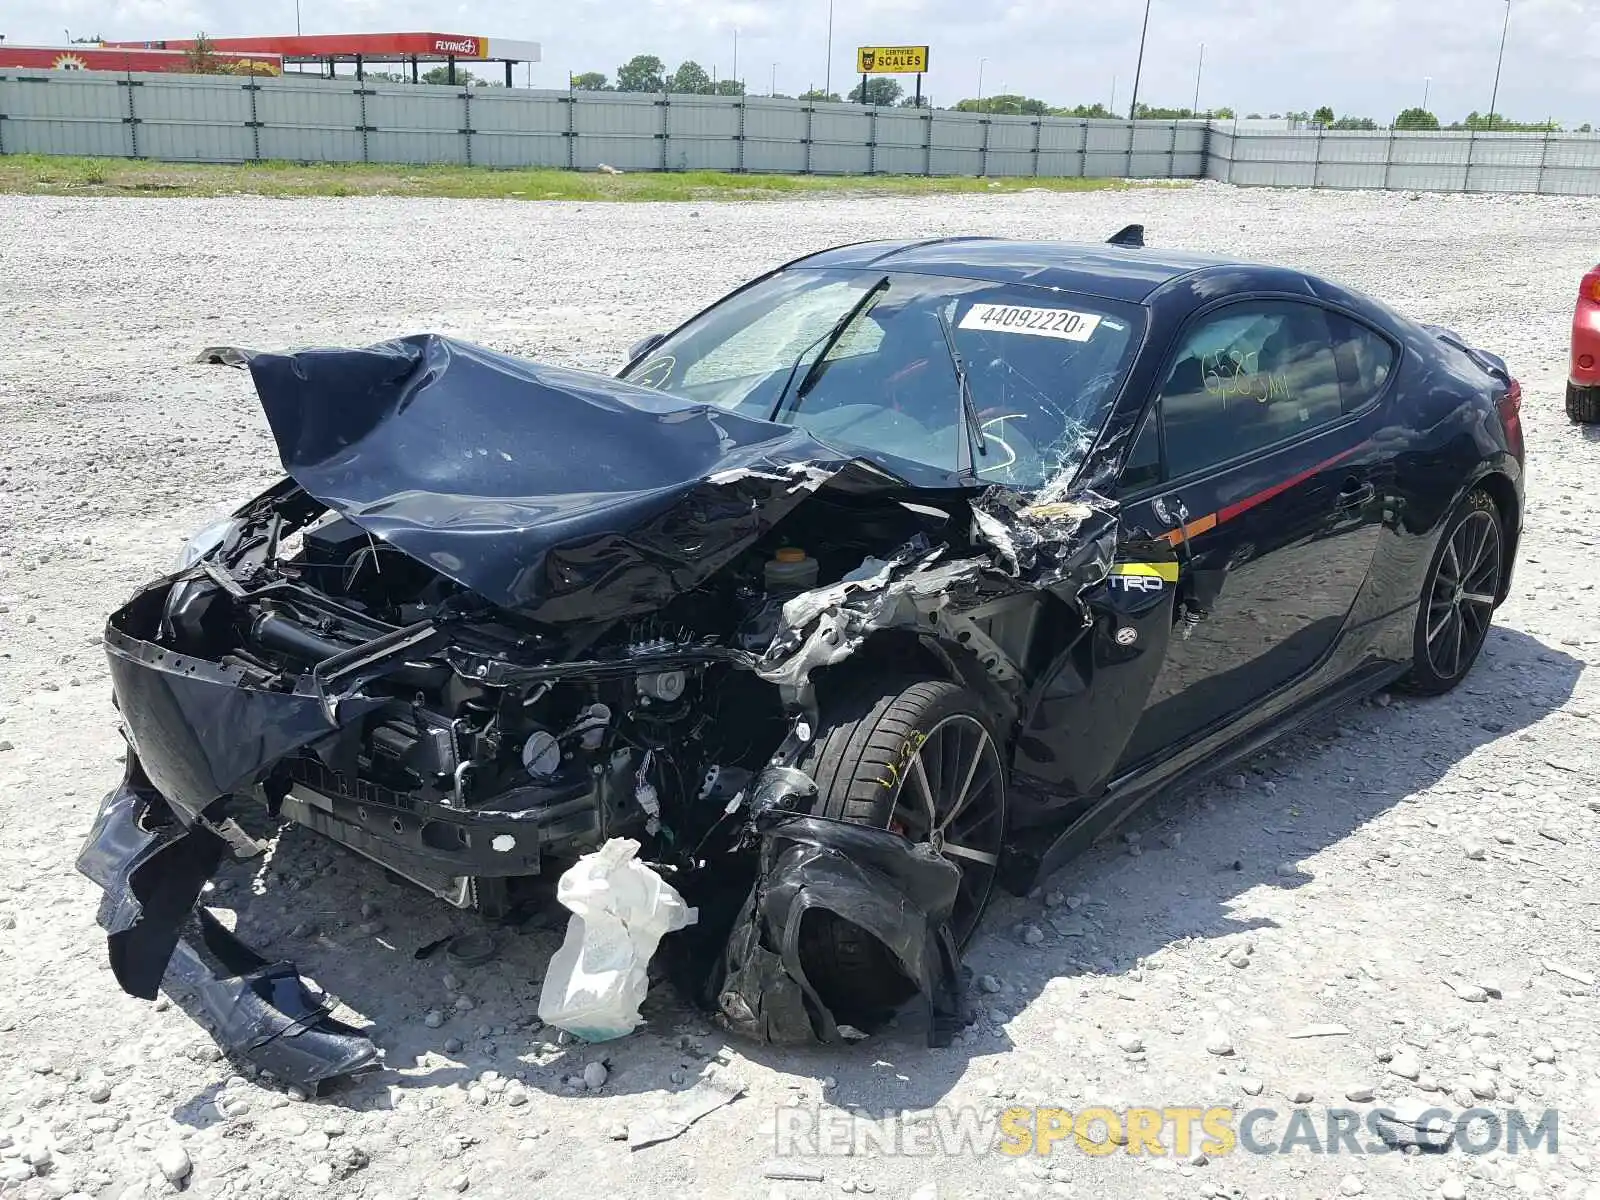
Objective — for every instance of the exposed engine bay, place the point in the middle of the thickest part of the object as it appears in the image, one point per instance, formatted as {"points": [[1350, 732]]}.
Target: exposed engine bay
{"points": [[568, 735]]}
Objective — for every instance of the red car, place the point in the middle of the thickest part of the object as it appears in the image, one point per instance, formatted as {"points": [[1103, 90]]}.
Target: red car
{"points": [[1583, 381]]}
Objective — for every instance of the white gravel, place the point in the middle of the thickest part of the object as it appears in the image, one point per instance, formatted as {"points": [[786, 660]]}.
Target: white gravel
{"points": [[1477, 969]]}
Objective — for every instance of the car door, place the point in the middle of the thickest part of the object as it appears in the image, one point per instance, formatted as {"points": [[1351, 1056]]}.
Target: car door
{"points": [[1257, 462]]}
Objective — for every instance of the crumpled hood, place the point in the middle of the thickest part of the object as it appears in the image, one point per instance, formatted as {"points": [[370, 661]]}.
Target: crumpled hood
{"points": [[566, 494]]}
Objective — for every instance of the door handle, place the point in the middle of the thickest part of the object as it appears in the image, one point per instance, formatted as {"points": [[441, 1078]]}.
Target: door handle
{"points": [[1355, 494]]}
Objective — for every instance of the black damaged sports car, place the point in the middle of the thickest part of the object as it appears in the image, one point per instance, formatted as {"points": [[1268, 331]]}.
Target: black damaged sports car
{"points": [[904, 569]]}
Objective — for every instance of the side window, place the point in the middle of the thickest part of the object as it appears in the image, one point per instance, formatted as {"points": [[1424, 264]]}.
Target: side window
{"points": [[1364, 360], [1143, 466], [1248, 376]]}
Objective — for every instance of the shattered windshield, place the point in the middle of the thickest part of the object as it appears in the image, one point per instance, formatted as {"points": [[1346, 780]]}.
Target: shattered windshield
{"points": [[876, 363]]}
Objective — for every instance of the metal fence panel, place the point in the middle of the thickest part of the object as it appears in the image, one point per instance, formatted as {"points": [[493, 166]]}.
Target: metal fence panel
{"points": [[310, 145], [1579, 150], [701, 154], [840, 123], [434, 110], [945, 161], [1103, 136], [418, 147], [622, 152], [205, 118], [901, 129], [958, 131], [1059, 164], [496, 111], [900, 160], [1062, 135], [775, 120], [519, 150], [785, 156], [1011, 133], [620, 113], [840, 158], [172, 142], [1010, 163], [702, 117]]}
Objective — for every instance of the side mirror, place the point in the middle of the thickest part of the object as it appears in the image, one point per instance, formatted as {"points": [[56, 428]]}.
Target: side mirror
{"points": [[644, 345]]}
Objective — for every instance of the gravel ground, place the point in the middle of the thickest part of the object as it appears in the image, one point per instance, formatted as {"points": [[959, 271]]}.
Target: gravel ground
{"points": [[1420, 874]]}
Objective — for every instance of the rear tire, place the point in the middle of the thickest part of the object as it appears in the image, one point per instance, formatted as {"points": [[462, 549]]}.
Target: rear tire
{"points": [[882, 743], [1583, 405], [1458, 598]]}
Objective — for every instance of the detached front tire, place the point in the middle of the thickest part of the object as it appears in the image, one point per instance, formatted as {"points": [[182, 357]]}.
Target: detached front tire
{"points": [[916, 755], [1458, 597]]}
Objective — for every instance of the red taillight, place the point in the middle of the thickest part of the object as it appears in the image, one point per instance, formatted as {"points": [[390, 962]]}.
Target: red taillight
{"points": [[1590, 289], [1510, 406]]}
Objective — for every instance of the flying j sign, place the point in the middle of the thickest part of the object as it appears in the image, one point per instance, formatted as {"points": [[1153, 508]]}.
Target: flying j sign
{"points": [[892, 60]]}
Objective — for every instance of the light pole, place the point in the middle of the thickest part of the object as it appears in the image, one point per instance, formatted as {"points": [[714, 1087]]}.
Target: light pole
{"points": [[981, 61], [773, 90], [1427, 83], [827, 71], [1133, 106], [735, 75], [297, 18], [1197, 72], [1495, 95]]}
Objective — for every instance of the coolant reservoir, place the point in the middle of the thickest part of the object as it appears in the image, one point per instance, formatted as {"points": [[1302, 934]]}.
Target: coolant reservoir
{"points": [[790, 570]]}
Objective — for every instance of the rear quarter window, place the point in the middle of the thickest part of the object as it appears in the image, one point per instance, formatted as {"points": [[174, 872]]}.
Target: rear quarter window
{"points": [[1364, 359]]}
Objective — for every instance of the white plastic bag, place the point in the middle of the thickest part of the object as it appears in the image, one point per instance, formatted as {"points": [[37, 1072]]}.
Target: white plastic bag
{"points": [[620, 911]]}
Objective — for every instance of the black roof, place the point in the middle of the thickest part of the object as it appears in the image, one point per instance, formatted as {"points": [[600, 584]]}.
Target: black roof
{"points": [[1093, 268]]}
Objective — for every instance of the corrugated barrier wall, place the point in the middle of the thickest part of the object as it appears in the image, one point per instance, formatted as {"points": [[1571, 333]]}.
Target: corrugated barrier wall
{"points": [[214, 118], [207, 118]]}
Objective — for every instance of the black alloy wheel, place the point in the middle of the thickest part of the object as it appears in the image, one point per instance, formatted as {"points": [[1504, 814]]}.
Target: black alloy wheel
{"points": [[951, 795], [1458, 601]]}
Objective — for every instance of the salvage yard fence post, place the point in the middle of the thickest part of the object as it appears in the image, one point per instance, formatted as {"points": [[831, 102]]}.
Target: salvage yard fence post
{"points": [[132, 119]]}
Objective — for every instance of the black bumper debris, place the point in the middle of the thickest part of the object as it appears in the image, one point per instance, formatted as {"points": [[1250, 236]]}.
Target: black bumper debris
{"points": [[897, 892], [264, 1014]]}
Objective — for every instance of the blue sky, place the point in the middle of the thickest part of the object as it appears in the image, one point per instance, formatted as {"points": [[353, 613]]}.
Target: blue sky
{"points": [[1362, 57]]}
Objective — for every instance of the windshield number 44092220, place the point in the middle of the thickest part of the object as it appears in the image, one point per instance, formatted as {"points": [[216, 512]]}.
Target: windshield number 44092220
{"points": [[1063, 323]]}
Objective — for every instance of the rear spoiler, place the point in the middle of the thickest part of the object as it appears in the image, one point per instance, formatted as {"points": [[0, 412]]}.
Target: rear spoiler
{"points": [[1128, 235], [1491, 363]]}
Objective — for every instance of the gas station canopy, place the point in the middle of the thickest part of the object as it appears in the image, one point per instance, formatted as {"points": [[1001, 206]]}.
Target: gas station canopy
{"points": [[361, 48]]}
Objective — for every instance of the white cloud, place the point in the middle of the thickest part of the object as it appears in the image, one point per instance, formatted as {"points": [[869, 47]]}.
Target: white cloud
{"points": [[1362, 57]]}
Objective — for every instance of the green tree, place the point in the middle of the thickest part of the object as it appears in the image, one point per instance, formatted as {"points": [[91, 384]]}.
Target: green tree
{"points": [[1323, 116], [1224, 113], [1252, 116], [1354, 123], [201, 58], [728, 87], [1502, 124], [590, 81], [880, 90], [1416, 118], [819, 94], [690, 77], [1148, 113], [464, 77], [1586, 128], [1089, 111], [1005, 103], [642, 73]]}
